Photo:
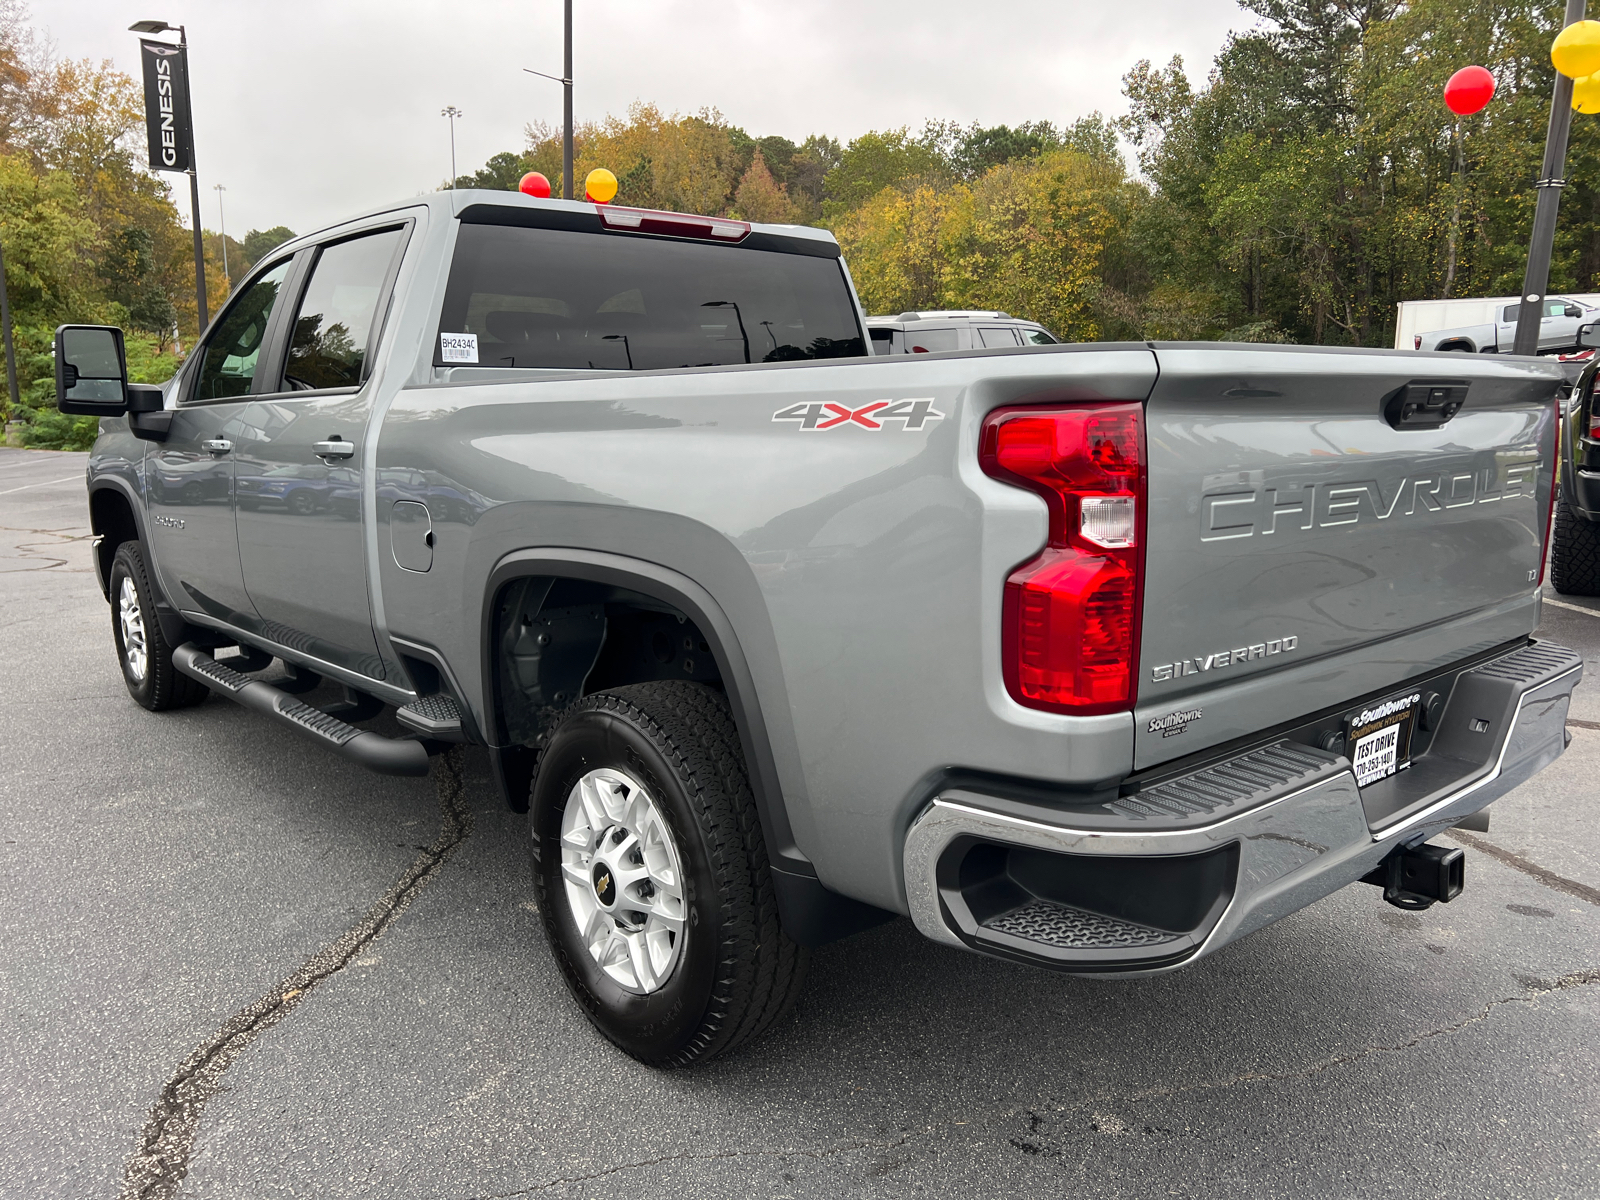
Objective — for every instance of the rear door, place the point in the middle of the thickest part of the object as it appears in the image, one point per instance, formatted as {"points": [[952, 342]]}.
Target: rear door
{"points": [[190, 475], [1303, 548], [300, 530]]}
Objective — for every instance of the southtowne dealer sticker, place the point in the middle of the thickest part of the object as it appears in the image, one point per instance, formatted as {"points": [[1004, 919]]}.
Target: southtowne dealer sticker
{"points": [[1379, 738]]}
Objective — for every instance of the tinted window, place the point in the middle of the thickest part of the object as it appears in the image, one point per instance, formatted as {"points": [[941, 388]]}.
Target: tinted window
{"points": [[229, 365], [931, 341], [1508, 315], [557, 298], [334, 325], [994, 337], [1038, 337]]}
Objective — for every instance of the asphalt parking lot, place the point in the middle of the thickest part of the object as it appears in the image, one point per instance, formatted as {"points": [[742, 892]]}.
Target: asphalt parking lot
{"points": [[163, 874]]}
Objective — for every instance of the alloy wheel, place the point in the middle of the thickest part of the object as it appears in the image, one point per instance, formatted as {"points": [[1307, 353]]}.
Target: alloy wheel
{"points": [[623, 878], [130, 616]]}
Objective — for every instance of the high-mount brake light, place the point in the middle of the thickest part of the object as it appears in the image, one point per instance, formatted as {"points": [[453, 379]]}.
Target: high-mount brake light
{"points": [[1070, 633], [645, 220]]}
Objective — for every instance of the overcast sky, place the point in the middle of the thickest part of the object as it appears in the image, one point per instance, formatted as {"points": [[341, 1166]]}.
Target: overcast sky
{"points": [[308, 112]]}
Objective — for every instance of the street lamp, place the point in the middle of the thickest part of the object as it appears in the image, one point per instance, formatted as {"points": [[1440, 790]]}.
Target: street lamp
{"points": [[565, 81], [193, 173], [452, 112], [1549, 185], [737, 316], [623, 338]]}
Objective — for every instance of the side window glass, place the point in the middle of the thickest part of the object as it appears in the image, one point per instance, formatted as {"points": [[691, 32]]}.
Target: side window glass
{"points": [[933, 341], [334, 326], [995, 336], [1038, 337], [229, 365], [1509, 316]]}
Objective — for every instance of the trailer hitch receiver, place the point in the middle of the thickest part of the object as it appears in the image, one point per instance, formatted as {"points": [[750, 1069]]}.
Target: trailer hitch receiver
{"points": [[1414, 877]]}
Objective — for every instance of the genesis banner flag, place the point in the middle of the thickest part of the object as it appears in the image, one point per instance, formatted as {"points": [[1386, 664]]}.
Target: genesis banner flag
{"points": [[166, 105]]}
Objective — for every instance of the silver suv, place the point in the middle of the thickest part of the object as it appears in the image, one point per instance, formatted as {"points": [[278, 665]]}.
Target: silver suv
{"points": [[964, 329]]}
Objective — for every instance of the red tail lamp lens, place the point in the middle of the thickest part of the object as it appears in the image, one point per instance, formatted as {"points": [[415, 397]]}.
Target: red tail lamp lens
{"points": [[1070, 638]]}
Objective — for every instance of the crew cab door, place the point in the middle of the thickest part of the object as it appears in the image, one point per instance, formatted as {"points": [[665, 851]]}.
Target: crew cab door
{"points": [[300, 457], [189, 476]]}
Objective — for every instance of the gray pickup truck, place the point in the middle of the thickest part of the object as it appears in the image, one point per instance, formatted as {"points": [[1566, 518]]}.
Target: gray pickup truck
{"points": [[1095, 657]]}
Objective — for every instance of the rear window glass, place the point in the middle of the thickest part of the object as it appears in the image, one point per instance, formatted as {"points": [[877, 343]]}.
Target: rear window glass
{"points": [[579, 301], [1038, 337]]}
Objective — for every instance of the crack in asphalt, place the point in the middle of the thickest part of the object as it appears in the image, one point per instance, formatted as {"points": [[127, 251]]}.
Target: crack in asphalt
{"points": [[161, 1160], [1535, 990], [1583, 724], [1560, 883]]}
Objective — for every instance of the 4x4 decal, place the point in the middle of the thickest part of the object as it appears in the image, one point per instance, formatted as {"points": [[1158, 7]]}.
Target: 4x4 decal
{"points": [[815, 417]]}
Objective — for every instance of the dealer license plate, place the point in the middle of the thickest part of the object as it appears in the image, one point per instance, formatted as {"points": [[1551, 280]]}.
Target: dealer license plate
{"points": [[1378, 737]]}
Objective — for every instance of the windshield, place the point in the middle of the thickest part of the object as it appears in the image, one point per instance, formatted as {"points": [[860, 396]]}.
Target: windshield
{"points": [[521, 297]]}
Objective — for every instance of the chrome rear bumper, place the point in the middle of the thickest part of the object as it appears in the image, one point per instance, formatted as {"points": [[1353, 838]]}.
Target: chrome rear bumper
{"points": [[1292, 815]]}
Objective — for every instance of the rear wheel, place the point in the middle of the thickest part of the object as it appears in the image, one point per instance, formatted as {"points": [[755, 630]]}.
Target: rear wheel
{"points": [[142, 649], [653, 878], [1574, 552]]}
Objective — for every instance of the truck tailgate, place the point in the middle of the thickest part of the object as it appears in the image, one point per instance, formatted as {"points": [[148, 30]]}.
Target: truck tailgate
{"points": [[1303, 550]]}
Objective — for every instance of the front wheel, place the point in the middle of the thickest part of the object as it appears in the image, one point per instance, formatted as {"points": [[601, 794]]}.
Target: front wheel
{"points": [[1574, 552], [653, 878], [142, 648]]}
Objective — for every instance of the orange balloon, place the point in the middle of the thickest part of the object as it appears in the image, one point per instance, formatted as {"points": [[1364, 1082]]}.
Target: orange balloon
{"points": [[600, 185]]}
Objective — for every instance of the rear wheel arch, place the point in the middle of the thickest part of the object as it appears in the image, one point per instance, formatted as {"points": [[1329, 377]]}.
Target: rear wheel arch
{"points": [[673, 593], [1461, 345]]}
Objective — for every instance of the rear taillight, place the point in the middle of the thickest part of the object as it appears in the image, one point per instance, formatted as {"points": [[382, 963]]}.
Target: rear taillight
{"points": [[1070, 634], [1416, 341]]}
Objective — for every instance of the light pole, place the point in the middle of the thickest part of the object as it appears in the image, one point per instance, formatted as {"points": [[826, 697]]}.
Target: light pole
{"points": [[623, 338], [452, 112], [194, 176], [222, 224], [565, 80], [1549, 185], [737, 316], [11, 353]]}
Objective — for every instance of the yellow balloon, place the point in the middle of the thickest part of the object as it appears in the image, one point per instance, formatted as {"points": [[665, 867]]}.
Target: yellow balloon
{"points": [[601, 185], [1586, 94], [1576, 51]]}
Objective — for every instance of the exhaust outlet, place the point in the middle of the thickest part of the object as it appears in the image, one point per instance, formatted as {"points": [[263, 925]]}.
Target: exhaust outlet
{"points": [[1414, 877]]}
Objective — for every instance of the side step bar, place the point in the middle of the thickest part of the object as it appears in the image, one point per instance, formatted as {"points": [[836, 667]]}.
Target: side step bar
{"points": [[387, 756]]}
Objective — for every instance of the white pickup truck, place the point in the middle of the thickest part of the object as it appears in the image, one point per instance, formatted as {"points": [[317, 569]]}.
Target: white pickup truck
{"points": [[1558, 329]]}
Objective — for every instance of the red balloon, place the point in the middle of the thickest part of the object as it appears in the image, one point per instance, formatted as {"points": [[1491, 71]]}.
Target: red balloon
{"points": [[534, 184], [1468, 91]]}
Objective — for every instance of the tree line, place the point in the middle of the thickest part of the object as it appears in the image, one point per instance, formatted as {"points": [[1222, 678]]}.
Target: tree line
{"points": [[89, 234], [1311, 181]]}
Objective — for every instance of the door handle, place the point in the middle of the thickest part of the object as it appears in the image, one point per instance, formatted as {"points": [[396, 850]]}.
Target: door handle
{"points": [[216, 445], [334, 448]]}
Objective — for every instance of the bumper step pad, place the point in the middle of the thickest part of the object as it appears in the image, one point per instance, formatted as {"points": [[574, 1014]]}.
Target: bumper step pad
{"points": [[1045, 923], [435, 716], [387, 756]]}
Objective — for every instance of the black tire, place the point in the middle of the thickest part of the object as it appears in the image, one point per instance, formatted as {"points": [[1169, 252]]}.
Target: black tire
{"points": [[302, 502], [161, 686], [736, 972], [1574, 552]]}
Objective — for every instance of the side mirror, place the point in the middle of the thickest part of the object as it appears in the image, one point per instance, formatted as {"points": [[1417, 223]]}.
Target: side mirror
{"points": [[1589, 336], [91, 371], [1572, 310]]}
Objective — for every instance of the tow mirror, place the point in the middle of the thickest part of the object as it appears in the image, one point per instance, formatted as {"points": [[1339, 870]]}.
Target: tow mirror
{"points": [[91, 371], [1589, 337]]}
